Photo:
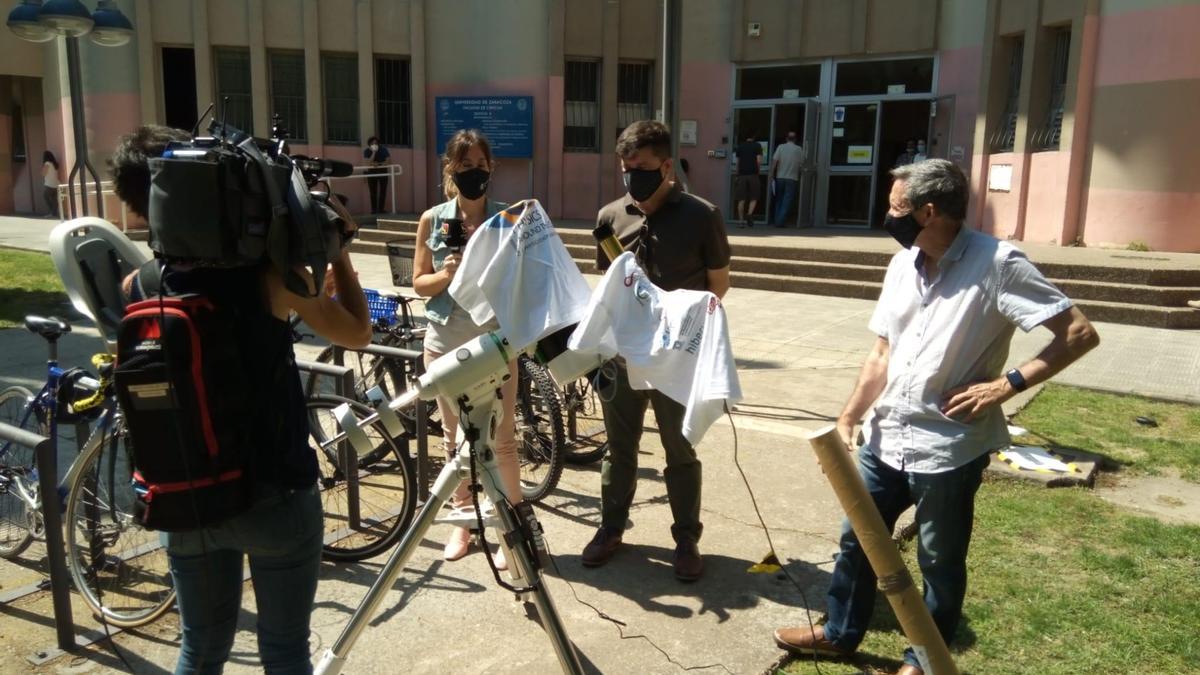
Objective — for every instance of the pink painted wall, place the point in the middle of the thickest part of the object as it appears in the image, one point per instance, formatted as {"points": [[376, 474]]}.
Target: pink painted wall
{"points": [[27, 188], [557, 195], [1045, 206], [581, 185], [705, 93], [958, 75], [1164, 221], [8, 167], [1001, 209], [1166, 46]]}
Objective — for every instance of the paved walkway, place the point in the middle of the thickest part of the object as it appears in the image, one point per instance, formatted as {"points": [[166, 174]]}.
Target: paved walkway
{"points": [[798, 357]]}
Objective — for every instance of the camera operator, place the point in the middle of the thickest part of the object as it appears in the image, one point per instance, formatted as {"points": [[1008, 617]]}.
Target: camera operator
{"points": [[282, 531], [466, 173]]}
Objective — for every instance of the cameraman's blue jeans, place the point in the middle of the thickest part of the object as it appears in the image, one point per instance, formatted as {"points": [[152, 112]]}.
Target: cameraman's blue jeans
{"points": [[281, 534], [945, 512]]}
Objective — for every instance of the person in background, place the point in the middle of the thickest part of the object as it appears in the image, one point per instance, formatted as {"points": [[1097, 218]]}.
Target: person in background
{"points": [[746, 187], [784, 177], [932, 386], [920, 155], [377, 157], [682, 244], [467, 168], [909, 154], [50, 182]]}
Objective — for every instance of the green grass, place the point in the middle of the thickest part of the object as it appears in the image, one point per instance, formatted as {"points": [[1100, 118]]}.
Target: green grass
{"points": [[1105, 424], [29, 284], [1061, 583]]}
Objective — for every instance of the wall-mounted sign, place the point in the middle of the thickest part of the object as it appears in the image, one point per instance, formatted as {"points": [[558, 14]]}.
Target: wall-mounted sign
{"points": [[791, 93], [859, 154], [1000, 178], [895, 89], [839, 114], [838, 132], [687, 132], [506, 120], [957, 152]]}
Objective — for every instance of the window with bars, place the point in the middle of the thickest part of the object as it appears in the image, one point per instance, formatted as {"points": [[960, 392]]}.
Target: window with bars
{"points": [[581, 106], [393, 100], [635, 93], [287, 93], [1005, 136], [1048, 136], [339, 79], [233, 88]]}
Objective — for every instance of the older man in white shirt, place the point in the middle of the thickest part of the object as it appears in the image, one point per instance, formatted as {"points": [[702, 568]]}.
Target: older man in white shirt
{"points": [[932, 387], [784, 177]]}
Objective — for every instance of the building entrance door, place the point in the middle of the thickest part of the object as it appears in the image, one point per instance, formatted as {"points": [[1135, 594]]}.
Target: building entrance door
{"points": [[768, 126], [901, 123], [750, 125], [852, 159]]}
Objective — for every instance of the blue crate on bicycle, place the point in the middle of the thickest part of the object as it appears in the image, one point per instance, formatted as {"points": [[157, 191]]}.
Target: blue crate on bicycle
{"points": [[382, 308]]}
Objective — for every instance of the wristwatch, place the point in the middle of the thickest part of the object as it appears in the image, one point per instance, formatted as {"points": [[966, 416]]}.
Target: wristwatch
{"points": [[1016, 379]]}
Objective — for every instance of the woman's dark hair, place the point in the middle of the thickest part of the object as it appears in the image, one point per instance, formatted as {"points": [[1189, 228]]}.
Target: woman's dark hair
{"points": [[130, 163], [48, 156], [645, 134], [456, 151], [373, 139]]}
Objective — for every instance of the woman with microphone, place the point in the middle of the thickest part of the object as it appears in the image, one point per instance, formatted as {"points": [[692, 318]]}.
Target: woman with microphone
{"points": [[467, 167]]}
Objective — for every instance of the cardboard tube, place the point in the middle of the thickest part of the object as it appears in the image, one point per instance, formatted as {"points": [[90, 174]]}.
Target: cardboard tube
{"points": [[894, 580]]}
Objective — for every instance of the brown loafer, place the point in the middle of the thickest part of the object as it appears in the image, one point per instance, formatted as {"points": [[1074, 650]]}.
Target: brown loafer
{"points": [[807, 641], [689, 566], [908, 669], [601, 548]]}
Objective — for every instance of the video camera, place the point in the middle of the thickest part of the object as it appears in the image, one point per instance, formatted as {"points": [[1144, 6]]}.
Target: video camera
{"points": [[229, 199]]}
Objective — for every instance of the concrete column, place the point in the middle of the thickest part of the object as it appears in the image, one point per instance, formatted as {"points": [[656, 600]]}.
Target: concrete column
{"points": [[149, 84], [423, 154], [555, 118], [260, 91], [203, 52], [314, 101], [610, 54], [1034, 53], [7, 173], [366, 70], [1086, 32]]}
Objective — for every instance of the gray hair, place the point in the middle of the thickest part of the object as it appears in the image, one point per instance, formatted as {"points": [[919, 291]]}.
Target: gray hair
{"points": [[935, 181]]}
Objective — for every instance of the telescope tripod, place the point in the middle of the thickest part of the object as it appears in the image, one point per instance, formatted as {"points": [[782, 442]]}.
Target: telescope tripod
{"points": [[521, 535]]}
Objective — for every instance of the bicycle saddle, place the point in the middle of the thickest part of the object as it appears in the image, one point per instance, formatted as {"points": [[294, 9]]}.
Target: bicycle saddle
{"points": [[50, 328]]}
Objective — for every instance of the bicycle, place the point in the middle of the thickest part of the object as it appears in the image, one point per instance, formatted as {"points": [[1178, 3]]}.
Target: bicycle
{"points": [[586, 434], [540, 434], [118, 566]]}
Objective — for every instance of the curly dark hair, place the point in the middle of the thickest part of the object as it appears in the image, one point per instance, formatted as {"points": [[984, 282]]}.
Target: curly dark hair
{"points": [[130, 167], [645, 134]]}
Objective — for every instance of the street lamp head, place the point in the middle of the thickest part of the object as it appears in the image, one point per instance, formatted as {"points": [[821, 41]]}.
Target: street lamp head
{"points": [[68, 18], [23, 21], [112, 28]]}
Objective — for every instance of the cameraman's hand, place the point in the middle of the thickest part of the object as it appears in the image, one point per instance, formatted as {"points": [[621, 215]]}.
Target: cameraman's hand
{"points": [[450, 265], [330, 284], [340, 208]]}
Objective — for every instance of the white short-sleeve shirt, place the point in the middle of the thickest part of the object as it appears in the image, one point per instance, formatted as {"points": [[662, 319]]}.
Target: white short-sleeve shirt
{"points": [[944, 333]]}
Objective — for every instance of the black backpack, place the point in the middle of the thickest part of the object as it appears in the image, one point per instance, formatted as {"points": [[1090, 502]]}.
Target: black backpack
{"points": [[182, 384]]}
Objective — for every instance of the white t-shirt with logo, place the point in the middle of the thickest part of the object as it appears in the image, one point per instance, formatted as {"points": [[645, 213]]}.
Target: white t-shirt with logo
{"points": [[676, 342], [515, 268]]}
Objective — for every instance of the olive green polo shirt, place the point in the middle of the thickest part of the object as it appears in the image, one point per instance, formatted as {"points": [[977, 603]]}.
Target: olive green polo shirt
{"points": [[686, 238]]}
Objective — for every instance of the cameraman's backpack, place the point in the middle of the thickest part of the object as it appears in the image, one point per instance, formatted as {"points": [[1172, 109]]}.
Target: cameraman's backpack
{"points": [[189, 408]]}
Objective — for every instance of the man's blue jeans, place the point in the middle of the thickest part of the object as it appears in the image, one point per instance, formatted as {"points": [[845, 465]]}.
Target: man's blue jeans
{"points": [[945, 512], [785, 194], [281, 533]]}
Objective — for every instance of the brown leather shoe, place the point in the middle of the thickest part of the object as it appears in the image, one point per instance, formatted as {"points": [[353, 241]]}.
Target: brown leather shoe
{"points": [[807, 641], [689, 566], [907, 669], [601, 548]]}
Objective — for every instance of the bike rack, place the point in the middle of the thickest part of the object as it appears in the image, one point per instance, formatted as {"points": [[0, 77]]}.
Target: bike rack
{"points": [[418, 361], [47, 463]]}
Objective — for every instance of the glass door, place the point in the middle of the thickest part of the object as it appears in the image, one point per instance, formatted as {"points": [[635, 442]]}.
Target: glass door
{"points": [[751, 125], [789, 118], [853, 140]]}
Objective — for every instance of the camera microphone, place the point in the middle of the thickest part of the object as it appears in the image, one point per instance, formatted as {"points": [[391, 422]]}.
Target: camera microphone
{"points": [[607, 238], [456, 239]]}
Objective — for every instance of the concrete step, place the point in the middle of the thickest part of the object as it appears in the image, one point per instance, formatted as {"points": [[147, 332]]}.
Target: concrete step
{"points": [[1138, 294], [1140, 315]]}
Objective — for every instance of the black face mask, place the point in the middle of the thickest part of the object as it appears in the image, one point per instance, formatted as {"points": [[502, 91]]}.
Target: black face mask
{"points": [[903, 229], [472, 183], [642, 183]]}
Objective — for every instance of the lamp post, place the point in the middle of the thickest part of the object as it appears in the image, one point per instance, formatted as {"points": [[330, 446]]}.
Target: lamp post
{"points": [[38, 21]]}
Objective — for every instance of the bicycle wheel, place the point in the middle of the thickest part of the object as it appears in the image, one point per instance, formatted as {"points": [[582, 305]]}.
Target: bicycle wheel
{"points": [[433, 417], [368, 372], [587, 439], [16, 463], [119, 566], [539, 431], [387, 497]]}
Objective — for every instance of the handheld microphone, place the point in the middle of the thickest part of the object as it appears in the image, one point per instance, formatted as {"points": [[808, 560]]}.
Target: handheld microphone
{"points": [[456, 239], [607, 238]]}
